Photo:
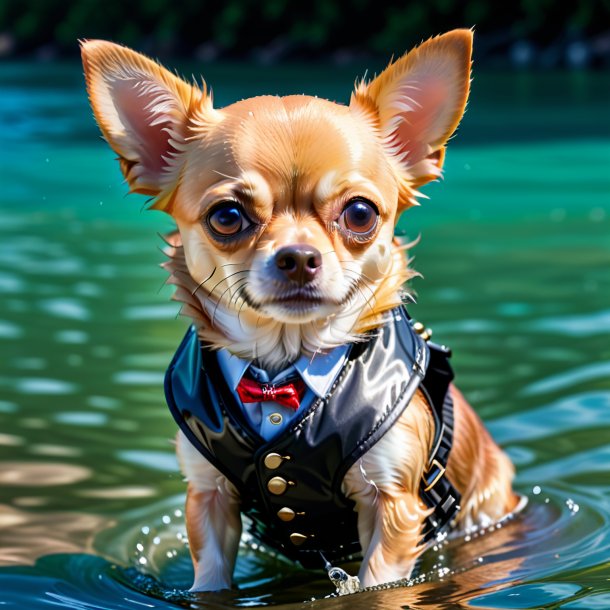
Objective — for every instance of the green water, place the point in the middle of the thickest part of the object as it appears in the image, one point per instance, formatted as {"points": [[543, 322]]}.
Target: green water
{"points": [[515, 250]]}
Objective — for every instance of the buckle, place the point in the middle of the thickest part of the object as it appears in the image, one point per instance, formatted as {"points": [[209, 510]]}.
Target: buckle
{"points": [[437, 478]]}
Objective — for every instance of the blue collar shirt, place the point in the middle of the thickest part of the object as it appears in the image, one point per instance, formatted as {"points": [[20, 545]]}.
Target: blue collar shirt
{"points": [[269, 418]]}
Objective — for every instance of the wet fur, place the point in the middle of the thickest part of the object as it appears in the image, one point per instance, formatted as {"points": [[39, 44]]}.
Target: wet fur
{"points": [[293, 163]]}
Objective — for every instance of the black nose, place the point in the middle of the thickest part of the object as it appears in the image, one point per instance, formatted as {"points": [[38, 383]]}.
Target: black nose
{"points": [[299, 263]]}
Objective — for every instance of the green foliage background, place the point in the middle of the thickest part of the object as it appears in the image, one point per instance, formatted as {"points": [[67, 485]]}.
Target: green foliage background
{"points": [[236, 27]]}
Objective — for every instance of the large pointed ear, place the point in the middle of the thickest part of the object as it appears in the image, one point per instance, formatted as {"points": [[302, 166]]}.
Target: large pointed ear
{"points": [[143, 111], [417, 102]]}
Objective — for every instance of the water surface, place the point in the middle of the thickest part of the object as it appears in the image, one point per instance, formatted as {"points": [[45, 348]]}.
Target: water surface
{"points": [[515, 252]]}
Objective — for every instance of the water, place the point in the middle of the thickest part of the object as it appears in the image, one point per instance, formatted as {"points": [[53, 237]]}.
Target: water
{"points": [[515, 251]]}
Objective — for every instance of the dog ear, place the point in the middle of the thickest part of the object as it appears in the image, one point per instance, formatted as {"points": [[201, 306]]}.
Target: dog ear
{"points": [[143, 111], [418, 101]]}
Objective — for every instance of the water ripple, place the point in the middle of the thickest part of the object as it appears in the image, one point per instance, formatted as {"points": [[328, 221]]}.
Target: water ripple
{"points": [[71, 336], [151, 312], [40, 385], [66, 308], [156, 460], [81, 418], [590, 409], [139, 378], [577, 464], [575, 325], [9, 330], [568, 378]]}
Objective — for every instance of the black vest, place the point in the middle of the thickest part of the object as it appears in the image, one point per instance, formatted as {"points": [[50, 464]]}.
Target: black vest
{"points": [[290, 486]]}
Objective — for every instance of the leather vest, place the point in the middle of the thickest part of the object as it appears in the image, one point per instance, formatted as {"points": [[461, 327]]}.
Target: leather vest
{"points": [[290, 486]]}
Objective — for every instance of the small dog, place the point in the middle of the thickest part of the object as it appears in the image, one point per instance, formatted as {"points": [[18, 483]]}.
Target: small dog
{"points": [[306, 397]]}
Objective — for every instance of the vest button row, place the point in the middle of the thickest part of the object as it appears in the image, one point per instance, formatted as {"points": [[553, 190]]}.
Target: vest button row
{"points": [[298, 539], [278, 485], [287, 514], [274, 460], [422, 331]]}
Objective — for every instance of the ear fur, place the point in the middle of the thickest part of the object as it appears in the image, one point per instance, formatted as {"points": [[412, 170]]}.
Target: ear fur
{"points": [[417, 102], [143, 111]]}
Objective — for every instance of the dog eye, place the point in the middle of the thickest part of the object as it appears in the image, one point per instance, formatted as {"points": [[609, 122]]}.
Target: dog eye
{"points": [[359, 216], [227, 219]]}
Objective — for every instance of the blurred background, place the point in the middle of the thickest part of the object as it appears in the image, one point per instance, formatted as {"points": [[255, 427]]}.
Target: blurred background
{"points": [[541, 33], [514, 250]]}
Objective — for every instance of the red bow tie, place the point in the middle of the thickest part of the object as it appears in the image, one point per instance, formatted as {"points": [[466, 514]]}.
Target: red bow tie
{"points": [[289, 394]]}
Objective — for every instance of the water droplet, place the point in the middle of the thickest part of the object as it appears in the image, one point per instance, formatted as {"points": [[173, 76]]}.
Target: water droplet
{"points": [[166, 519], [536, 490], [145, 530], [143, 561]]}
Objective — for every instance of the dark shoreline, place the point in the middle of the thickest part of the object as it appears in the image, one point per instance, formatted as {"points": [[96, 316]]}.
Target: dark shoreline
{"points": [[491, 51]]}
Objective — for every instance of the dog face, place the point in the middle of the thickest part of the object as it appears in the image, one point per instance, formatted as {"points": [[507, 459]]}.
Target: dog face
{"points": [[285, 207]]}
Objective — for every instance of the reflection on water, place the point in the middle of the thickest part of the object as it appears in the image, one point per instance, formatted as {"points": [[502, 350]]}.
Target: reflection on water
{"points": [[27, 535], [515, 253], [36, 474]]}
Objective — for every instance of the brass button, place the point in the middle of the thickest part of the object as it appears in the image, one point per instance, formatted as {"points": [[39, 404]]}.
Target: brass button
{"points": [[286, 514], [274, 460], [419, 328], [427, 334], [277, 485], [275, 419], [297, 539]]}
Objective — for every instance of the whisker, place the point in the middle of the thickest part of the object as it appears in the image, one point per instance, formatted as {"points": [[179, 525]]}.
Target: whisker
{"points": [[364, 284], [385, 277], [318, 351], [356, 284], [317, 334], [232, 264], [360, 272], [164, 240], [164, 283], [243, 303], [204, 281], [211, 292], [228, 289], [243, 284], [225, 175], [368, 301]]}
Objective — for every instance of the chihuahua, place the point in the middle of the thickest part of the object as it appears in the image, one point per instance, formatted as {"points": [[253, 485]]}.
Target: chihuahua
{"points": [[300, 389]]}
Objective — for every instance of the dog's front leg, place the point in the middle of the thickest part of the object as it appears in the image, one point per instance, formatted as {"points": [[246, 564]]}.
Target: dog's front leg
{"points": [[213, 521], [384, 484], [390, 529], [213, 525]]}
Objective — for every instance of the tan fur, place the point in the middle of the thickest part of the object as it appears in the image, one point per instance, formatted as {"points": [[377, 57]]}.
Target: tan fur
{"points": [[293, 164]]}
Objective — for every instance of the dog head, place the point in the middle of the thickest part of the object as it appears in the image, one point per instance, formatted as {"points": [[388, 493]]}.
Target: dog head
{"points": [[285, 206]]}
